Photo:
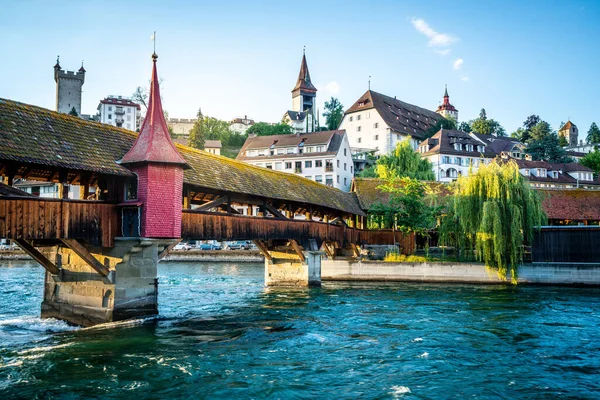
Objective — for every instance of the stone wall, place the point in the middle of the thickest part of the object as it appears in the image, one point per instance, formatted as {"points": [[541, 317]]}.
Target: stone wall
{"points": [[536, 273]]}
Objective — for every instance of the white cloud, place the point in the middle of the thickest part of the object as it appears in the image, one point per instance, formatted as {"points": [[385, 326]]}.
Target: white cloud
{"points": [[458, 64], [442, 52], [436, 39], [332, 87], [464, 78]]}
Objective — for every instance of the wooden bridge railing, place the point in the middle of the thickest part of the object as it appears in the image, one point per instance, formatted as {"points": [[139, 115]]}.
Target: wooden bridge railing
{"points": [[207, 226], [34, 218]]}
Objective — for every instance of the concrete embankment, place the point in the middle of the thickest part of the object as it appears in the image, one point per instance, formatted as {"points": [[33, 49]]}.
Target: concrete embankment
{"points": [[215, 256], [447, 272]]}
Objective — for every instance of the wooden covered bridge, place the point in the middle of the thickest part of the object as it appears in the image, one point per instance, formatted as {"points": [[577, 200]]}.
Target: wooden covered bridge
{"points": [[141, 194]]}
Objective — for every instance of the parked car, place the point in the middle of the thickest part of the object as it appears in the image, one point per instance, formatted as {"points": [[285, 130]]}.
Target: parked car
{"points": [[239, 245], [210, 246], [182, 246]]}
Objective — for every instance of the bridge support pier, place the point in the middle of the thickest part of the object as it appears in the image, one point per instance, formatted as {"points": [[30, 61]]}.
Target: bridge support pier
{"points": [[291, 265], [81, 295]]}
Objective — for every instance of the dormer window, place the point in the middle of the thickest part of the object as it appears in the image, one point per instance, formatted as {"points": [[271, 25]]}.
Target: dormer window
{"points": [[301, 144], [273, 145], [457, 146], [527, 172], [541, 172]]}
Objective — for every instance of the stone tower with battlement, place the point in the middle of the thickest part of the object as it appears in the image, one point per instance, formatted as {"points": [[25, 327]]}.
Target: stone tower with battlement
{"points": [[68, 89]]}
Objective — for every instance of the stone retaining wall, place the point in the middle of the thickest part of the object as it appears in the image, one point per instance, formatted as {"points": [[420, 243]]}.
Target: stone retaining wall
{"points": [[215, 256], [535, 273]]}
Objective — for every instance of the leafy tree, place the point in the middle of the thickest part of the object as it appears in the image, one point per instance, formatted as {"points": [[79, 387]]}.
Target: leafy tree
{"points": [[197, 133], [264, 129], [592, 160], [494, 213], [528, 124], [518, 134], [73, 112], [443, 123], [465, 127], [334, 112], [486, 126], [404, 162], [406, 210], [539, 131], [562, 141], [548, 149], [593, 134]]}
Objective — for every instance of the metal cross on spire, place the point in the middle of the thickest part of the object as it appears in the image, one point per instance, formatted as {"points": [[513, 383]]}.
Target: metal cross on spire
{"points": [[369, 82], [153, 37]]}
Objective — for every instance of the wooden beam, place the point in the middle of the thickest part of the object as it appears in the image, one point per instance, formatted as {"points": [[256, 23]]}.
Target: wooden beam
{"points": [[86, 256], [274, 211], [37, 256], [328, 250], [298, 250], [167, 250], [263, 249], [212, 204], [187, 198]]}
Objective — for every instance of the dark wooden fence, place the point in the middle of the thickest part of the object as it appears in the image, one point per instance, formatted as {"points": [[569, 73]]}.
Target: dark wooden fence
{"points": [[34, 218], [207, 226], [567, 244]]}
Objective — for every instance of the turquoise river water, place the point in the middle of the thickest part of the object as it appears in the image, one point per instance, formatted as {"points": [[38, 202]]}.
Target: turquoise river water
{"points": [[221, 334]]}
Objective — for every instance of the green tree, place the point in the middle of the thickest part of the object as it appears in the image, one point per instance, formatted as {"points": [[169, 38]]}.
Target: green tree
{"points": [[528, 124], [443, 123], [539, 131], [518, 134], [404, 162], [73, 112], [334, 112], [486, 126], [464, 126], [548, 149], [406, 210], [197, 133], [593, 134], [368, 172], [264, 129], [592, 160], [562, 141], [493, 214]]}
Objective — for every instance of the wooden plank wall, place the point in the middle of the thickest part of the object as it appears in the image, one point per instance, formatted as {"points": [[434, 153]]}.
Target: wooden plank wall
{"points": [[567, 244], [37, 218], [208, 226]]}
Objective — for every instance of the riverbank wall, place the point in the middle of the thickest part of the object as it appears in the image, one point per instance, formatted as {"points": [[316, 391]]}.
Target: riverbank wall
{"points": [[215, 256], [448, 272]]}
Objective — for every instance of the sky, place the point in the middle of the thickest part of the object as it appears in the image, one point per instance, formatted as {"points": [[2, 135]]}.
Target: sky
{"points": [[236, 58]]}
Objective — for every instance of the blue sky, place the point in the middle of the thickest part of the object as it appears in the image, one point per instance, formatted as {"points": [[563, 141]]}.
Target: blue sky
{"points": [[235, 58]]}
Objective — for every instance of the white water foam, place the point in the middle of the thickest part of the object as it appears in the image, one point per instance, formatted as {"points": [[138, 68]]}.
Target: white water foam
{"points": [[415, 340], [398, 391], [37, 324]]}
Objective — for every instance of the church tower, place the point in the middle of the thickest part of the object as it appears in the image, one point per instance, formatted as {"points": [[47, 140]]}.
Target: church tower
{"points": [[304, 94], [570, 132], [68, 89], [446, 109]]}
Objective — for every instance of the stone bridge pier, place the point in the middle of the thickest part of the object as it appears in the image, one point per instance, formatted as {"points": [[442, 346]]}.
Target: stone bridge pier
{"points": [[290, 264], [100, 285]]}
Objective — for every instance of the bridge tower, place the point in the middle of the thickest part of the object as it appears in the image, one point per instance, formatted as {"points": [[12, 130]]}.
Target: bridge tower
{"points": [[159, 168], [68, 88]]}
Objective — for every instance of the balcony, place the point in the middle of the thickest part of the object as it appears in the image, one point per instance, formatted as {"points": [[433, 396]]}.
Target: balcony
{"points": [[298, 170], [119, 111], [329, 168]]}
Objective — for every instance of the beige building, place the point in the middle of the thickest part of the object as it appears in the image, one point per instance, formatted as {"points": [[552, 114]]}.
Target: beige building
{"points": [[570, 132], [181, 126], [213, 146], [241, 125]]}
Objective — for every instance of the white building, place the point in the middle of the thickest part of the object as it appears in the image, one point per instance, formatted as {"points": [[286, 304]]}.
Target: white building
{"points": [[213, 146], [377, 123], [446, 109], [545, 175], [323, 157], [302, 115], [119, 111], [47, 190], [241, 125], [453, 153]]}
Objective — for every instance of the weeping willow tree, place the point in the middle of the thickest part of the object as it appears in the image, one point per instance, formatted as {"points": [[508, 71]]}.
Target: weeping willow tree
{"points": [[494, 213]]}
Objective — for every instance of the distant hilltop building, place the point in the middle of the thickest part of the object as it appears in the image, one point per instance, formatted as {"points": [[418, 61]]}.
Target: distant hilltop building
{"points": [[68, 88], [181, 126], [570, 132], [241, 125], [119, 111], [446, 109], [302, 115]]}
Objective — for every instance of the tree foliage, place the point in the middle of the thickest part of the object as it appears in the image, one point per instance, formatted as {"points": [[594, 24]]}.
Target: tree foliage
{"points": [[73, 112], [264, 129], [593, 134], [404, 162], [141, 96], [494, 213], [407, 209], [443, 123], [334, 112], [210, 128], [197, 135], [539, 131], [465, 127], [592, 160], [486, 126], [548, 149]]}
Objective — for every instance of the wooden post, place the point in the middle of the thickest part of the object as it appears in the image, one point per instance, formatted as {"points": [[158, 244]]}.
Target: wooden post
{"points": [[63, 186], [187, 198], [37, 256]]}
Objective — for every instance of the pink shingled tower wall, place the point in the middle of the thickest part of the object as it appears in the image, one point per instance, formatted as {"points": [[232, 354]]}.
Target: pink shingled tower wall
{"points": [[159, 188]]}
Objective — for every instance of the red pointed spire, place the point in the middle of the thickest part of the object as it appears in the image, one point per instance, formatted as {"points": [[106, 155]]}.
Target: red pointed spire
{"points": [[304, 81], [154, 143]]}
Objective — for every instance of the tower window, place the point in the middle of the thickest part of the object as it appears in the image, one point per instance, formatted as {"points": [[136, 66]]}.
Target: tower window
{"points": [[358, 129]]}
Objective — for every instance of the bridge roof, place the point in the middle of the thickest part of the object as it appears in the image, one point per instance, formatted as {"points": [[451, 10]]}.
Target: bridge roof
{"points": [[35, 135]]}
